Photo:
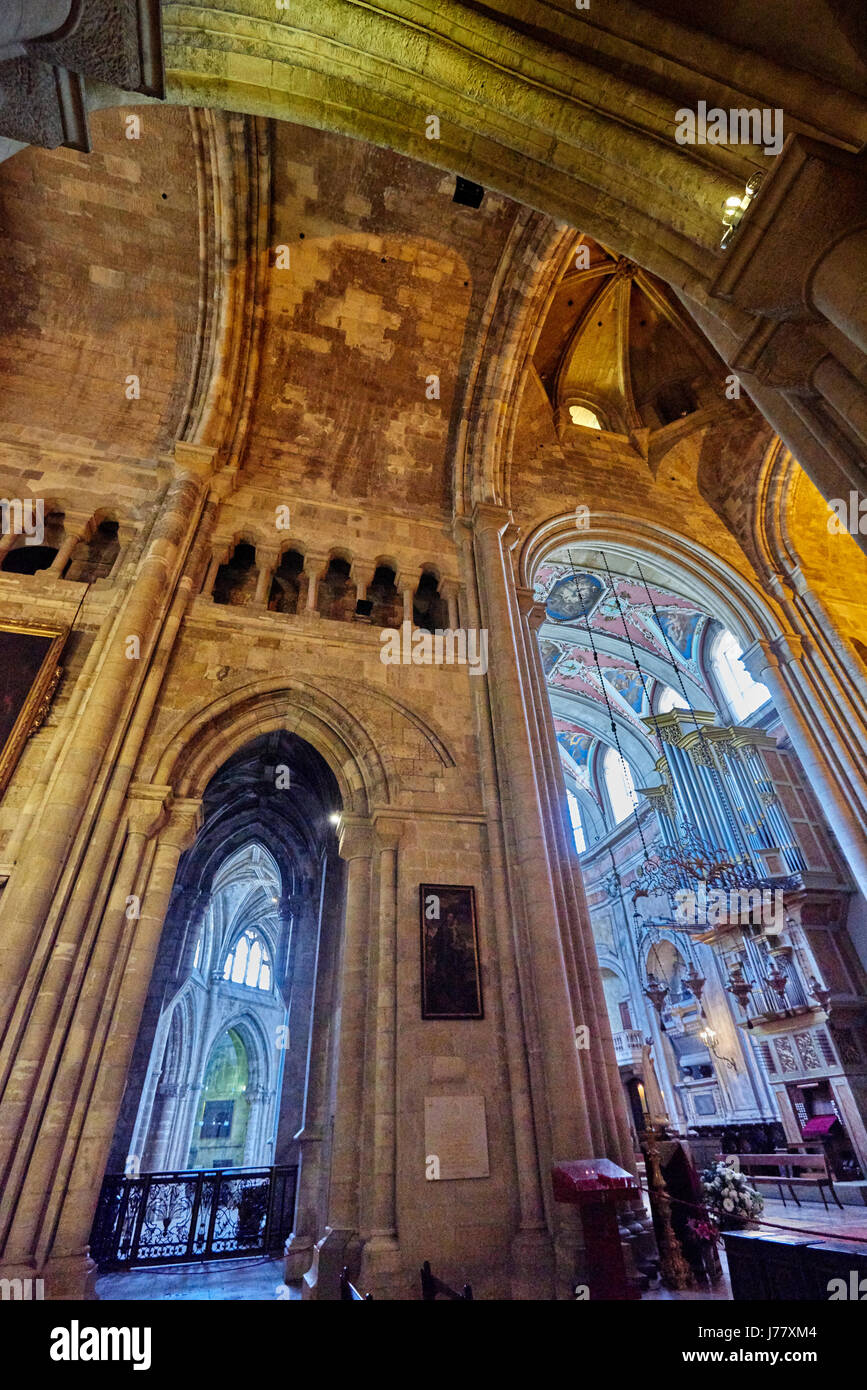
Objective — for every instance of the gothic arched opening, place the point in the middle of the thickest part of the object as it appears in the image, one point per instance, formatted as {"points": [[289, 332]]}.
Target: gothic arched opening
{"points": [[225, 1065]]}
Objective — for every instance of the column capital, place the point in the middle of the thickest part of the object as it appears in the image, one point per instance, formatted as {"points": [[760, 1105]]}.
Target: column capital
{"points": [[354, 837], [534, 612], [185, 818], [389, 831], [770, 654], [315, 562], [488, 517], [221, 549], [147, 807], [362, 571], [77, 524], [191, 460]]}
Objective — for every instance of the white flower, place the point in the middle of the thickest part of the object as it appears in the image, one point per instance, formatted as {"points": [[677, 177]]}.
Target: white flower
{"points": [[728, 1204]]}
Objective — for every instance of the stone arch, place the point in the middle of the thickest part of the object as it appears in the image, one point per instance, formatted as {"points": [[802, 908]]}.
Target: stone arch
{"points": [[211, 736], [545, 122], [714, 584], [800, 555], [780, 650], [363, 771], [258, 1047]]}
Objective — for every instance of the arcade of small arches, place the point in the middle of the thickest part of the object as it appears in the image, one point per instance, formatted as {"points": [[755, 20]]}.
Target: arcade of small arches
{"points": [[337, 586]]}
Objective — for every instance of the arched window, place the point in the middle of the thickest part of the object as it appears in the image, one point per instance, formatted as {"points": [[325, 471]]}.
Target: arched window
{"points": [[744, 695], [620, 786], [236, 580], [582, 415], [575, 818], [671, 699], [249, 961]]}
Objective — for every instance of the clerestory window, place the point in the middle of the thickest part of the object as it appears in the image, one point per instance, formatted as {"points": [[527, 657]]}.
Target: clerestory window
{"points": [[249, 961]]}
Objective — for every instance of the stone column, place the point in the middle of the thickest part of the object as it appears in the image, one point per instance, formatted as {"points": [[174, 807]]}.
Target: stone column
{"points": [[407, 594], [313, 1042], [532, 1255], [362, 575], [314, 568], [449, 591], [267, 560], [64, 1146], [219, 557], [342, 1245], [162, 1127], [381, 1252], [839, 286], [584, 1117], [72, 535], [598, 1061], [105, 713], [527, 847]]}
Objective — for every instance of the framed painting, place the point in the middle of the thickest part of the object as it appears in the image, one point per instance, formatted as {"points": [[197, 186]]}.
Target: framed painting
{"points": [[451, 981], [29, 672]]}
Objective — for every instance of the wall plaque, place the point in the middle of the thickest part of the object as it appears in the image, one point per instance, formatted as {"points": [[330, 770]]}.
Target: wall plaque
{"points": [[456, 1134]]}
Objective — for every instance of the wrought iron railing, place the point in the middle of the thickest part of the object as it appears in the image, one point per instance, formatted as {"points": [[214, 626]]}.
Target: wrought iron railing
{"points": [[210, 1214]]}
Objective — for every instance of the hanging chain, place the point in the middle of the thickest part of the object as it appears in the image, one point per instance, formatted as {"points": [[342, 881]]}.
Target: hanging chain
{"points": [[611, 720], [660, 740]]}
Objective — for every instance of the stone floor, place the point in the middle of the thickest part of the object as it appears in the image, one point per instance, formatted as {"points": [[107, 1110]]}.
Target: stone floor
{"points": [[234, 1280], [849, 1224]]}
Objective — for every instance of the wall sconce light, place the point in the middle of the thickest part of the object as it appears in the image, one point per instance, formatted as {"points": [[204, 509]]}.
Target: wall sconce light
{"points": [[708, 1037], [735, 207]]}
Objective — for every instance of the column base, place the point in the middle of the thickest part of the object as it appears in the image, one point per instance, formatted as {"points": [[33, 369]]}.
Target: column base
{"points": [[532, 1266], [336, 1249], [67, 1278], [297, 1257], [381, 1272], [570, 1263]]}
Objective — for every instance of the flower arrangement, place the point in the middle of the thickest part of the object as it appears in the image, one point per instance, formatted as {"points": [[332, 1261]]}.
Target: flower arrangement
{"points": [[704, 1231], [730, 1199]]}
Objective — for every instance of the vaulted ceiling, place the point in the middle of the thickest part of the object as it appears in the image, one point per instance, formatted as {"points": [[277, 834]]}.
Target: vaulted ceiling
{"points": [[604, 616]]}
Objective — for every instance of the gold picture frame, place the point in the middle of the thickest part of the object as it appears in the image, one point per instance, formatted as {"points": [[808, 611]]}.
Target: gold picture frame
{"points": [[29, 671]]}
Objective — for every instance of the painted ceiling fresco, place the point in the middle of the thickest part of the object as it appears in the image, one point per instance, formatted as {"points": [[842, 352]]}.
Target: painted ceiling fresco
{"points": [[582, 602], [656, 620]]}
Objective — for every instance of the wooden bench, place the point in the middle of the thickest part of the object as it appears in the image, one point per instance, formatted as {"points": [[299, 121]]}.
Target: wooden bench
{"points": [[431, 1287], [808, 1169], [349, 1293]]}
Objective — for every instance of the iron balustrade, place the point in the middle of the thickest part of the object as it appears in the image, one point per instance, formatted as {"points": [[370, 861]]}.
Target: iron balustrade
{"points": [[192, 1215]]}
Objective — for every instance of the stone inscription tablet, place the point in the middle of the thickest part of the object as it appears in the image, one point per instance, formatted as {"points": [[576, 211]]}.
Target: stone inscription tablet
{"points": [[456, 1131]]}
